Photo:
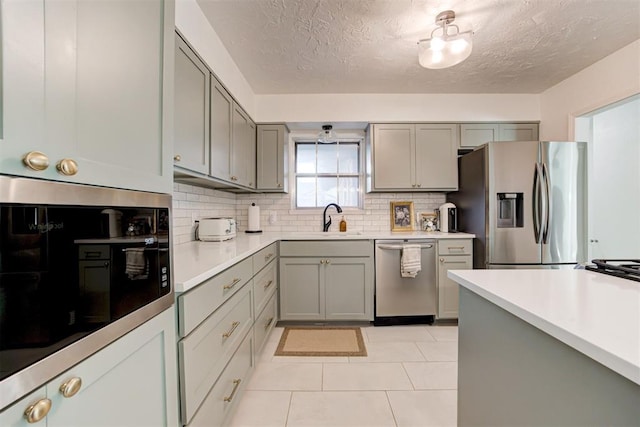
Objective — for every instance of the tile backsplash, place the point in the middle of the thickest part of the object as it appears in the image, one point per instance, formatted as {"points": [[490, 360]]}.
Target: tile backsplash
{"points": [[191, 203]]}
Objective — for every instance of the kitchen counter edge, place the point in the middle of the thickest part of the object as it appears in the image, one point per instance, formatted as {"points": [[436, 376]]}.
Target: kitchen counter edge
{"points": [[196, 261]]}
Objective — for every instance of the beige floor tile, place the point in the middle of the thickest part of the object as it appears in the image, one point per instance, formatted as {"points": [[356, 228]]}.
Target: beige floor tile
{"points": [[343, 409], [433, 375], [443, 333], [439, 351], [390, 352], [262, 409], [397, 333], [437, 408], [365, 376], [286, 376]]}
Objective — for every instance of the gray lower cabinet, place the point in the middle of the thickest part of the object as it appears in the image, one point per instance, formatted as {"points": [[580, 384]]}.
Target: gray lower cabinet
{"points": [[81, 105], [223, 324], [452, 255], [326, 280], [191, 115], [475, 134], [271, 158], [131, 382]]}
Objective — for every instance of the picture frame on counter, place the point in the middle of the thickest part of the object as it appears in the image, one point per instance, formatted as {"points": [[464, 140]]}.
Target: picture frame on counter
{"points": [[402, 216]]}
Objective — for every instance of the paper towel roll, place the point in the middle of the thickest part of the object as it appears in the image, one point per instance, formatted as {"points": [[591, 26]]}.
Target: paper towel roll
{"points": [[254, 218]]}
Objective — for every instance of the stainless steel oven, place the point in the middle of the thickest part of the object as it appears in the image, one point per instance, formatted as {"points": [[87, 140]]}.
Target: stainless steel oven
{"points": [[80, 266]]}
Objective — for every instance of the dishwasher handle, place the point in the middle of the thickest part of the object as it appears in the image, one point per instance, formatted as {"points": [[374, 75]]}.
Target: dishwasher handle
{"points": [[400, 247]]}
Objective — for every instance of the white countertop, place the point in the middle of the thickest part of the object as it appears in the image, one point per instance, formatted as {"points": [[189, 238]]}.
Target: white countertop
{"points": [[197, 261], [596, 314]]}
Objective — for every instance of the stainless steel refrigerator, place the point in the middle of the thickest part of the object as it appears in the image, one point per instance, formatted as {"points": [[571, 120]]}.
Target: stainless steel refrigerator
{"points": [[526, 202]]}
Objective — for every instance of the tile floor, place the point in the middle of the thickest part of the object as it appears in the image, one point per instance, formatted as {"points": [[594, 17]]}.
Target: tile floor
{"points": [[409, 378]]}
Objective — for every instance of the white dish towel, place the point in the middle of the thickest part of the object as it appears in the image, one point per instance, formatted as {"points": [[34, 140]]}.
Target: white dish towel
{"points": [[410, 264], [136, 267]]}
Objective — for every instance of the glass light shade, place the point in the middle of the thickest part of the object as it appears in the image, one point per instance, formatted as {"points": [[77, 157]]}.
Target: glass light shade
{"points": [[445, 51]]}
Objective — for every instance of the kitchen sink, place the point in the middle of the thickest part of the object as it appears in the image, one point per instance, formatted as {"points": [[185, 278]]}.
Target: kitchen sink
{"points": [[330, 234]]}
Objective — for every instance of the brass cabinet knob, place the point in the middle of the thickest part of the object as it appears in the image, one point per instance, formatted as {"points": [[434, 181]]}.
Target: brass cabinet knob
{"points": [[177, 157], [321, 261], [36, 161], [419, 185], [37, 411], [327, 261], [279, 185], [70, 387], [67, 167], [441, 259]]}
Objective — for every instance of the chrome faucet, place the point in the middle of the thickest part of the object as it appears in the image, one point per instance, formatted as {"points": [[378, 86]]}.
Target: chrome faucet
{"points": [[327, 224]]}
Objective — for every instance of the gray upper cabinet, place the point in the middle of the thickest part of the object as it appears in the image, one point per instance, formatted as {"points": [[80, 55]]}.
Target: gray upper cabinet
{"points": [[414, 157], [271, 167], [475, 134], [191, 115], [233, 139], [221, 108], [89, 95], [243, 148]]}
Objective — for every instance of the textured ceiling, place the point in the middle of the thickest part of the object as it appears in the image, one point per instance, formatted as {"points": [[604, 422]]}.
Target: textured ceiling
{"points": [[370, 46]]}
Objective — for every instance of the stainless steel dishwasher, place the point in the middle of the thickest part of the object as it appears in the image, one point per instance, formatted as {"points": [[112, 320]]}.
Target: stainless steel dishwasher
{"points": [[402, 300]]}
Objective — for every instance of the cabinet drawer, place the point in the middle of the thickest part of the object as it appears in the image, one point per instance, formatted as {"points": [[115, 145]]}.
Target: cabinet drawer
{"points": [[332, 248], [264, 324], [264, 257], [200, 302], [455, 247], [205, 352], [87, 252], [227, 391], [264, 285]]}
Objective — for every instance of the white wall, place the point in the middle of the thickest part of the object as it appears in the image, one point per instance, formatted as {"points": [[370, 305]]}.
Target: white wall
{"points": [[609, 80], [614, 182], [396, 107], [192, 24]]}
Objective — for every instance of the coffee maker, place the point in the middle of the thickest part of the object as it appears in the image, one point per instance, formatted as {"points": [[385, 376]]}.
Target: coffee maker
{"points": [[448, 218]]}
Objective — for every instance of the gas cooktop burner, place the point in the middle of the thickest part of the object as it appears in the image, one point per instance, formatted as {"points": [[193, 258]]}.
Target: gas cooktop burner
{"points": [[624, 268]]}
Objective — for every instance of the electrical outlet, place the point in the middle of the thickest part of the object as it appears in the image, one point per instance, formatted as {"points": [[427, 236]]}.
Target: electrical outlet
{"points": [[273, 217]]}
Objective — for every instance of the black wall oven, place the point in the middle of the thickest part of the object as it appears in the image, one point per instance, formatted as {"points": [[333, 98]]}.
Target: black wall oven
{"points": [[80, 266]]}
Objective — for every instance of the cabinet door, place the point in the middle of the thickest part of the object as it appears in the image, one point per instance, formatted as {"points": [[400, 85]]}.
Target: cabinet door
{"points": [[348, 289], [242, 148], [271, 157], [475, 134], [94, 288], [191, 115], [393, 156], [221, 107], [131, 382], [518, 132], [436, 156], [447, 288], [301, 293], [93, 85]]}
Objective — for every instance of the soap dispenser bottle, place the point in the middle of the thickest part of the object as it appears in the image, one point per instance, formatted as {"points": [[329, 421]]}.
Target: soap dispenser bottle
{"points": [[343, 224]]}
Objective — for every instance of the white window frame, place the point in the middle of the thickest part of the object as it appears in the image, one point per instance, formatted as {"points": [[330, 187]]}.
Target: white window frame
{"points": [[342, 136]]}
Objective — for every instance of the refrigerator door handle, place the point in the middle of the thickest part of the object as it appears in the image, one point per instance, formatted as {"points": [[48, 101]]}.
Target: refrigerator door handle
{"points": [[547, 204], [537, 211]]}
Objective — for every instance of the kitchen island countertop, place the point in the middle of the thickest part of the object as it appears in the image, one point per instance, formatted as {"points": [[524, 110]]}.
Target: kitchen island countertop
{"points": [[596, 314], [196, 261]]}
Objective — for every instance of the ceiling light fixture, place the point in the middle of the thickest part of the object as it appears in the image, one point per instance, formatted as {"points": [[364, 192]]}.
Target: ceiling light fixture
{"points": [[326, 136], [445, 50]]}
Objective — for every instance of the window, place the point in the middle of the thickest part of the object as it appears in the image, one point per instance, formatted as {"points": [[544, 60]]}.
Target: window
{"points": [[327, 173]]}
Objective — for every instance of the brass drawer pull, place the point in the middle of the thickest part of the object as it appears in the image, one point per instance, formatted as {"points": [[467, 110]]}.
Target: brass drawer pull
{"points": [[67, 167], [268, 284], [231, 285], [456, 248], [227, 334], [236, 384], [70, 387], [37, 411], [268, 257], [36, 161], [269, 322]]}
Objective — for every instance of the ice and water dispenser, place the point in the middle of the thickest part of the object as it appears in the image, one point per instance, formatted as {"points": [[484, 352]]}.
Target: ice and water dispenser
{"points": [[510, 210]]}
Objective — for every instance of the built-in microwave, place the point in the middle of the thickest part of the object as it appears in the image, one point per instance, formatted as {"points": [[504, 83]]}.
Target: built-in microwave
{"points": [[80, 266]]}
